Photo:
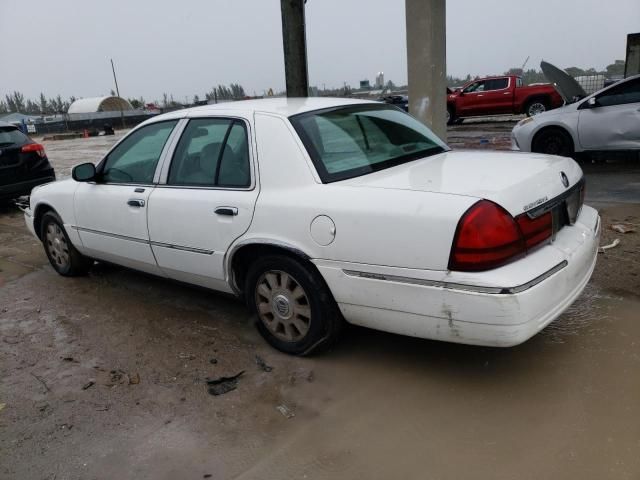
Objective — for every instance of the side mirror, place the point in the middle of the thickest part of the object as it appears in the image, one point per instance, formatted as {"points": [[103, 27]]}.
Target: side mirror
{"points": [[85, 172], [593, 102]]}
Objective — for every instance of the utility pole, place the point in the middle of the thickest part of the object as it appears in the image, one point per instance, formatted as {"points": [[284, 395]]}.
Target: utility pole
{"points": [[113, 69], [427, 63], [295, 48]]}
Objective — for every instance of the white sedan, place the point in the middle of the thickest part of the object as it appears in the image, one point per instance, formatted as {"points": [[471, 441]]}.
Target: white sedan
{"points": [[317, 211], [607, 120]]}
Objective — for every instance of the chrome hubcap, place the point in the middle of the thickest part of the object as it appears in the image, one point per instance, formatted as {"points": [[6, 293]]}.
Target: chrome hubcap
{"points": [[536, 108], [283, 306], [57, 245]]}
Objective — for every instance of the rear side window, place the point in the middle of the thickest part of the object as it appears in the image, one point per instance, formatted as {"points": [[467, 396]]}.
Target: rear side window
{"points": [[134, 160], [628, 92], [12, 136], [496, 84], [212, 152]]}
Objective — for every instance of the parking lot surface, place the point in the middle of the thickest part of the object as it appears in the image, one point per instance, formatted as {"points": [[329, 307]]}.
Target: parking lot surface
{"points": [[104, 376]]}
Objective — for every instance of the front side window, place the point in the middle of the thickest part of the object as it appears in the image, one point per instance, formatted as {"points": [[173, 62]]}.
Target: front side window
{"points": [[134, 159], [212, 152], [628, 92], [475, 87], [351, 141]]}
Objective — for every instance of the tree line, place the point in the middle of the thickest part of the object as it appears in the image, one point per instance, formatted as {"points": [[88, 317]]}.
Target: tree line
{"points": [[536, 76], [16, 101]]}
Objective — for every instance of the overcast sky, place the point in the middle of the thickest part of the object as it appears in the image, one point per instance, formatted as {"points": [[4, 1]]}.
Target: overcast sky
{"points": [[185, 47]]}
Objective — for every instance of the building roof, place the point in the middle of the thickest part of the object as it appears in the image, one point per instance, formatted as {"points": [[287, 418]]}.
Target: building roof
{"points": [[18, 117], [99, 104]]}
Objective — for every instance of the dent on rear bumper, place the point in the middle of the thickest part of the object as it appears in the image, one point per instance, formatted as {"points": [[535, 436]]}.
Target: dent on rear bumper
{"points": [[450, 314]]}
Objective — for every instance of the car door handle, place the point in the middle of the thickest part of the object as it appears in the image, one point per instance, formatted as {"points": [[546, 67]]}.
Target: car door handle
{"points": [[136, 202], [230, 211]]}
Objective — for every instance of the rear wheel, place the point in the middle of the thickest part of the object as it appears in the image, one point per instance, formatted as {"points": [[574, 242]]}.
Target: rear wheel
{"points": [[296, 311], [63, 256], [553, 141], [535, 107]]}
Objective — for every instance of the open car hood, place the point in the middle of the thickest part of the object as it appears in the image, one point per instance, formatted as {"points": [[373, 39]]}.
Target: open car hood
{"points": [[569, 89]]}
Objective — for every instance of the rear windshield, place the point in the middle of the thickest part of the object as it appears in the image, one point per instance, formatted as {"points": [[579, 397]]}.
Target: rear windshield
{"points": [[347, 142], [11, 136]]}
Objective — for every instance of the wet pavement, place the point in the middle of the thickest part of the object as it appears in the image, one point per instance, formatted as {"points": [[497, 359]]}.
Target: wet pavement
{"points": [[104, 377]]}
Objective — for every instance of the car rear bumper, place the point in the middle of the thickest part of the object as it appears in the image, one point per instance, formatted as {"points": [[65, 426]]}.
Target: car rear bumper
{"points": [[470, 308], [17, 189]]}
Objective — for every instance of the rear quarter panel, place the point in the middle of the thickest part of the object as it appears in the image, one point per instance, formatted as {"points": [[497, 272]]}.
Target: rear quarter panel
{"points": [[380, 226]]}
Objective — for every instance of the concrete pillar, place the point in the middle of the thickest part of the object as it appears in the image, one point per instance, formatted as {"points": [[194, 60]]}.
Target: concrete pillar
{"points": [[295, 48], [426, 63]]}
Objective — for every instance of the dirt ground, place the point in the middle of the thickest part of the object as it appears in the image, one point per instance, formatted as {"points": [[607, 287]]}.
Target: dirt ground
{"points": [[103, 377]]}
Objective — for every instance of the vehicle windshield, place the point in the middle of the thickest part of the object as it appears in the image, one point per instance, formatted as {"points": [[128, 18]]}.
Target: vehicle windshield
{"points": [[347, 142], [11, 136]]}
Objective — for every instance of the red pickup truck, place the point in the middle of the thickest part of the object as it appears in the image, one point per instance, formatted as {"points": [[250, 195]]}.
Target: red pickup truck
{"points": [[500, 96]]}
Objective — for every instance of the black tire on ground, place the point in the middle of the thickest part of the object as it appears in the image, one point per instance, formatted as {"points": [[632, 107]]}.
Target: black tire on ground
{"points": [[553, 141], [451, 115], [535, 107], [295, 310], [458, 121], [62, 255]]}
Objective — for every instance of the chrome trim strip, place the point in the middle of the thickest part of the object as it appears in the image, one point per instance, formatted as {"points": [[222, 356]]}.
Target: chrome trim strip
{"points": [[148, 242], [459, 286], [554, 202], [180, 247], [113, 235]]}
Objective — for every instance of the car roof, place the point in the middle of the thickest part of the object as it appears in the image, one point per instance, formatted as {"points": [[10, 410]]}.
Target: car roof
{"points": [[282, 106], [7, 124]]}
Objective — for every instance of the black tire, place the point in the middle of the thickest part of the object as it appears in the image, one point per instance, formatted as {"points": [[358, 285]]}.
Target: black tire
{"points": [[451, 115], [317, 332], [553, 141], [536, 107], [56, 243]]}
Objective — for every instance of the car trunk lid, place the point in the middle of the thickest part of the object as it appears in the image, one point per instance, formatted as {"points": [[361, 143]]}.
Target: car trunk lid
{"points": [[567, 86], [519, 182]]}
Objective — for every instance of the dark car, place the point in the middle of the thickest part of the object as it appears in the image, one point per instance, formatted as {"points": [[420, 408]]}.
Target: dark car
{"points": [[401, 101], [23, 163]]}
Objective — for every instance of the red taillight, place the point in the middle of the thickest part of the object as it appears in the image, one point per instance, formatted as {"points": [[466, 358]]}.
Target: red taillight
{"points": [[33, 147], [487, 237], [535, 230]]}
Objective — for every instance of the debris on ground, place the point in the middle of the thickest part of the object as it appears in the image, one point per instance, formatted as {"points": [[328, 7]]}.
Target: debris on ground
{"points": [[301, 374], [88, 385], [222, 385], [2, 405], [613, 244], [262, 364], [285, 411], [44, 384], [622, 227], [186, 356], [134, 379], [213, 361]]}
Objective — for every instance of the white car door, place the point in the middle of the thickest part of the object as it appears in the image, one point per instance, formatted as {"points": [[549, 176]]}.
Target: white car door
{"points": [[205, 200], [111, 214], [613, 122]]}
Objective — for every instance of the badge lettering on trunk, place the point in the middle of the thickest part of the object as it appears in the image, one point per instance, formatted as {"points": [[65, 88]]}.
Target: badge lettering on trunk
{"points": [[531, 205]]}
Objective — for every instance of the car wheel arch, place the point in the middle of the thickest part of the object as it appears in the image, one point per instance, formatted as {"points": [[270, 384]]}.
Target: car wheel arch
{"points": [[39, 213], [241, 256], [556, 127]]}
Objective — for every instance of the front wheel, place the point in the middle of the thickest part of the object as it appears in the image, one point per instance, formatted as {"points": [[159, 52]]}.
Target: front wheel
{"points": [[63, 256], [553, 141], [451, 115], [296, 311]]}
